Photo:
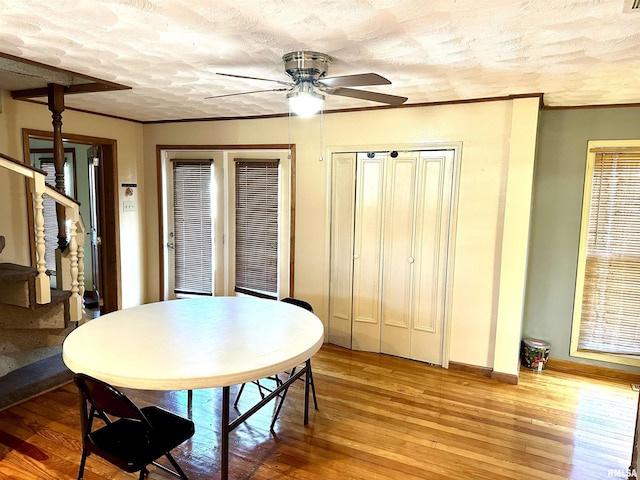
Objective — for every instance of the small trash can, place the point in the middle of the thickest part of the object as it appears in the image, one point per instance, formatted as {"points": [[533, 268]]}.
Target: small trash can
{"points": [[535, 353]]}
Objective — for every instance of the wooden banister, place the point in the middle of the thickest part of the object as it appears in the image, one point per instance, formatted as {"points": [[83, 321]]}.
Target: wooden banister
{"points": [[75, 253], [17, 166]]}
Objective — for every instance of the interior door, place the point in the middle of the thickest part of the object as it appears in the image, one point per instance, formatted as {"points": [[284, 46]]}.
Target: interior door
{"points": [[367, 250], [341, 276], [390, 223], [431, 252], [94, 294], [398, 258], [416, 238]]}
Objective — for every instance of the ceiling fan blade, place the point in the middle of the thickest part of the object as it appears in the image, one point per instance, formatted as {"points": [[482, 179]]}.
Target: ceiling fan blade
{"points": [[256, 78], [372, 96], [357, 80], [247, 93]]}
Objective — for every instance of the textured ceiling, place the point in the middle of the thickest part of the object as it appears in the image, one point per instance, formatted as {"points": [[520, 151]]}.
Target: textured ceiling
{"points": [[575, 52]]}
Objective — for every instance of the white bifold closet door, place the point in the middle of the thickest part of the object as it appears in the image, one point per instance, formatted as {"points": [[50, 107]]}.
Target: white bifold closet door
{"points": [[389, 242]]}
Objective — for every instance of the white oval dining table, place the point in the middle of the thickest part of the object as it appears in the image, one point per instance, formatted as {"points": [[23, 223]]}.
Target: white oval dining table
{"points": [[195, 343]]}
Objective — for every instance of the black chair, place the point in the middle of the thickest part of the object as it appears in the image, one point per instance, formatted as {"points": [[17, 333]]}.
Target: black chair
{"points": [[278, 381], [135, 437]]}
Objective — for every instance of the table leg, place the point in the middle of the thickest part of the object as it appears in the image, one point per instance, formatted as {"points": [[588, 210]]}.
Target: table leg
{"points": [[224, 452], [307, 382]]}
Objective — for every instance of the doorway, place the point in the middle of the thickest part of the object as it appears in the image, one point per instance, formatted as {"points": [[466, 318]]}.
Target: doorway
{"points": [[194, 261], [91, 176]]}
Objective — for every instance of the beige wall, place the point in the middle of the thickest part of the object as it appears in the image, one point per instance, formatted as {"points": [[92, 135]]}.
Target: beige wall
{"points": [[13, 221], [16, 116], [515, 236], [498, 140]]}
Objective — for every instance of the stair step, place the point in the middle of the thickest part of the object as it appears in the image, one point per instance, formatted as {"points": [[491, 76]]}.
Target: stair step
{"points": [[33, 379], [17, 285], [15, 360], [13, 272], [51, 315], [13, 340]]}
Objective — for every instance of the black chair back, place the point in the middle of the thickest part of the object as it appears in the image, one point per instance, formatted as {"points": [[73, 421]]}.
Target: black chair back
{"points": [[104, 398], [298, 303], [134, 437]]}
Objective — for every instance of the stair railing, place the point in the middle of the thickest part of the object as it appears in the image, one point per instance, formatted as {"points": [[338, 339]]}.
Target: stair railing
{"points": [[75, 252]]}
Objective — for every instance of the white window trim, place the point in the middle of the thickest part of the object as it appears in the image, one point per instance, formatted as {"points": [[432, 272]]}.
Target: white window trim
{"points": [[582, 257]]}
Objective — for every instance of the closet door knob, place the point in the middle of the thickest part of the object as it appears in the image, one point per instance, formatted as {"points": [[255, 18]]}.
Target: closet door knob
{"points": [[356, 256], [410, 259]]}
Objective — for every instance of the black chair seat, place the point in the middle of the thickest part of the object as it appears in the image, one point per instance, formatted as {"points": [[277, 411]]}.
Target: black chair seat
{"points": [[127, 445], [131, 437]]}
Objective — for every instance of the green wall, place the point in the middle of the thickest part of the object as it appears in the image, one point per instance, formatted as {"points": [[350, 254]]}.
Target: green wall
{"points": [[555, 227]]}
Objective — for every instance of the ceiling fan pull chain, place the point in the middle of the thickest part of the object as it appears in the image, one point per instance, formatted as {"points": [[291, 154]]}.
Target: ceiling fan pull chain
{"points": [[289, 132], [321, 131]]}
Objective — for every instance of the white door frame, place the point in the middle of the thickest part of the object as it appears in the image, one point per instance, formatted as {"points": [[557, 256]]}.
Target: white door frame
{"points": [[225, 247]]}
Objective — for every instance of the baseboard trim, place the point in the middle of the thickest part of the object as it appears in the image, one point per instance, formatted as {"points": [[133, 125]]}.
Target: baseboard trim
{"points": [[505, 377], [473, 369], [487, 372], [586, 370]]}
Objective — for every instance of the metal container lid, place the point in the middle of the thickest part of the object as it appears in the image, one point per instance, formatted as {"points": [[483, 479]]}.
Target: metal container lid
{"points": [[535, 343]]}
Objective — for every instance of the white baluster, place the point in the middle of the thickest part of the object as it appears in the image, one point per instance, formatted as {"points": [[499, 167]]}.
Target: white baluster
{"points": [[75, 302], [43, 287], [80, 234]]}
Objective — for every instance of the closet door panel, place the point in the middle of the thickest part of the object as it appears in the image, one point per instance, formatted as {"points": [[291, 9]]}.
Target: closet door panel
{"points": [[342, 214], [367, 253], [390, 225], [431, 240], [398, 256]]}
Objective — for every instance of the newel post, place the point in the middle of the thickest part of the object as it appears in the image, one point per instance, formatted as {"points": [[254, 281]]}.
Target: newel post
{"points": [[56, 106]]}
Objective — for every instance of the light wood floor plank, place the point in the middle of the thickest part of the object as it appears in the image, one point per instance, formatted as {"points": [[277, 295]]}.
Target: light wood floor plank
{"points": [[380, 417]]}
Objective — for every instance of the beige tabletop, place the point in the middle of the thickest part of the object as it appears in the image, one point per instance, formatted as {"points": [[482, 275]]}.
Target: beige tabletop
{"points": [[194, 343]]}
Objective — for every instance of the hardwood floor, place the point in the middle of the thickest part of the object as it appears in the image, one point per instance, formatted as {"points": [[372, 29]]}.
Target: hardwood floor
{"points": [[380, 417]]}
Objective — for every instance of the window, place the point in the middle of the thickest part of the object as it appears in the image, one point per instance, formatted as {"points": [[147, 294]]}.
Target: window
{"points": [[256, 252], [49, 211], [50, 219], [192, 218], [607, 304]]}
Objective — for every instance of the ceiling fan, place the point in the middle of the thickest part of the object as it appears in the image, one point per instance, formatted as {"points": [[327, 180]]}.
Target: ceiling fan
{"points": [[308, 74]]}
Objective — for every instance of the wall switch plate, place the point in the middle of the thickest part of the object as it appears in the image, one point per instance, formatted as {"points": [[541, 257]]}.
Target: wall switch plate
{"points": [[128, 206]]}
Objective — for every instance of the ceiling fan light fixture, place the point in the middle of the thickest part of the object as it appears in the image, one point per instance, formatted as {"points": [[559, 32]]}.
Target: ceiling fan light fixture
{"points": [[308, 72], [304, 102]]}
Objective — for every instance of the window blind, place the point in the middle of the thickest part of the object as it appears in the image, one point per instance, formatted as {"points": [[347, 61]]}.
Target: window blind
{"points": [[256, 225], [50, 218], [192, 216], [610, 315]]}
